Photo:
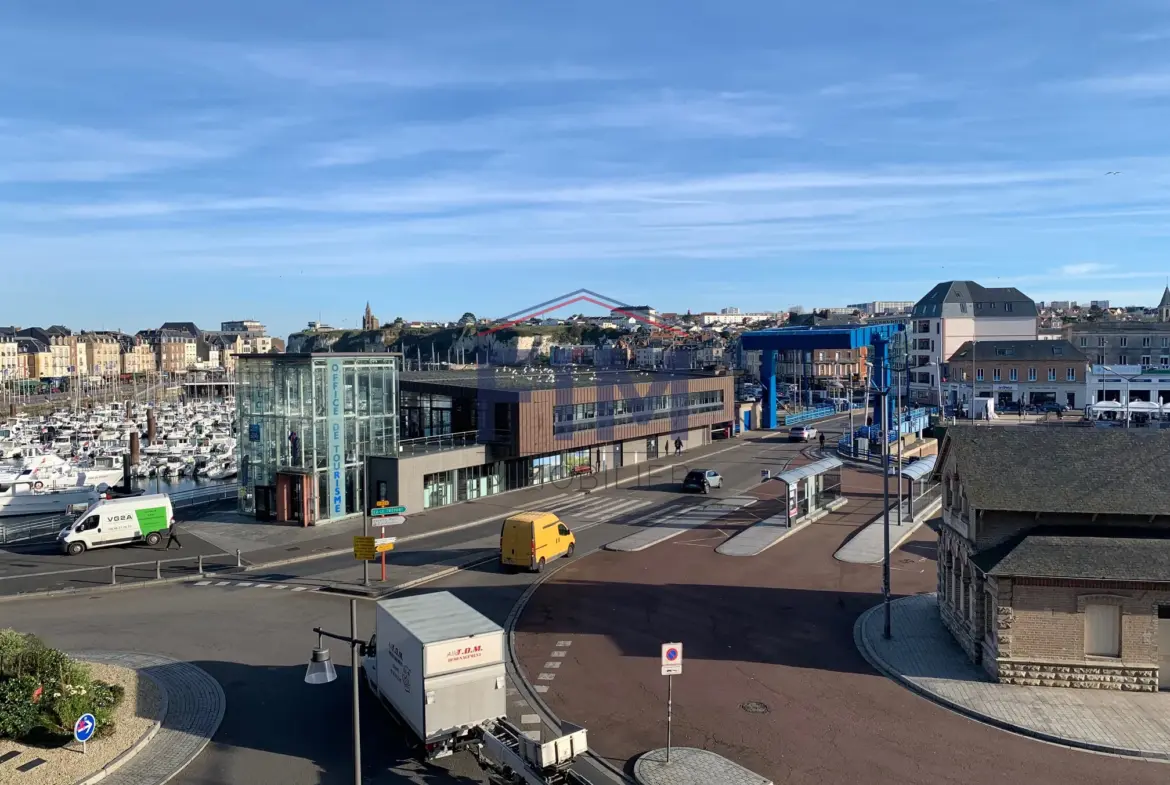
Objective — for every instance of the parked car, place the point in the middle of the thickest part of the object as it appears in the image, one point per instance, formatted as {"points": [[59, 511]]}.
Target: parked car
{"points": [[702, 480], [802, 433], [1053, 406]]}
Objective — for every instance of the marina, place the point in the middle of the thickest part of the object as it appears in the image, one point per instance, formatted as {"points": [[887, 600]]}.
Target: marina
{"points": [[52, 463]]}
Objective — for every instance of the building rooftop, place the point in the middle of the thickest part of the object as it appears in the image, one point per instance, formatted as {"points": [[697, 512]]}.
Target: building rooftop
{"points": [[1092, 552], [1043, 469], [969, 299], [507, 378], [1119, 327], [1040, 350]]}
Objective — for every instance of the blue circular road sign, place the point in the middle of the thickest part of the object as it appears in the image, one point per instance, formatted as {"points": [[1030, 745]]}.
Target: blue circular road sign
{"points": [[672, 654], [84, 727]]}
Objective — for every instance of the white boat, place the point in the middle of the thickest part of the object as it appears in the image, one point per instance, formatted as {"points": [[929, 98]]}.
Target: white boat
{"points": [[20, 498], [223, 470]]}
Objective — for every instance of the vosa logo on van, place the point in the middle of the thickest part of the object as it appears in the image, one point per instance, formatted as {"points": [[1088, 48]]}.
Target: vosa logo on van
{"points": [[464, 653]]}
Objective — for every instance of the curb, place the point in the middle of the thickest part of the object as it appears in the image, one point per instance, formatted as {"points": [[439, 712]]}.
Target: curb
{"points": [[915, 525], [531, 695], [37, 595], [809, 520], [877, 663], [137, 746]]}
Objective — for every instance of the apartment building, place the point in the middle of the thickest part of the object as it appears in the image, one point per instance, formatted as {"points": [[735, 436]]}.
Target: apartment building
{"points": [[98, 354], [36, 358], [955, 312], [1122, 343], [846, 365], [882, 307], [61, 351], [175, 351], [1032, 372], [137, 356], [12, 364]]}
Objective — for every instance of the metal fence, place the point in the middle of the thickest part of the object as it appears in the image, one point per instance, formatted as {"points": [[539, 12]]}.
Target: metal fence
{"points": [[47, 527], [810, 414]]}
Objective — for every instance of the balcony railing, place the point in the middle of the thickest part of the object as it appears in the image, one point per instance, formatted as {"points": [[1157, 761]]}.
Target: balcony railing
{"points": [[445, 441]]}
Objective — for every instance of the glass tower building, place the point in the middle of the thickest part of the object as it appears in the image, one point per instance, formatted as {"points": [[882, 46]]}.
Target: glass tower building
{"points": [[306, 422]]}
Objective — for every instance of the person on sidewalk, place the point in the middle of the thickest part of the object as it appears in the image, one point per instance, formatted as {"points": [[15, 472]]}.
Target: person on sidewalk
{"points": [[678, 446], [821, 439], [173, 537]]}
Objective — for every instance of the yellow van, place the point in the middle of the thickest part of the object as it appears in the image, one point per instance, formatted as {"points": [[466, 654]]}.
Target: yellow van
{"points": [[529, 540]]}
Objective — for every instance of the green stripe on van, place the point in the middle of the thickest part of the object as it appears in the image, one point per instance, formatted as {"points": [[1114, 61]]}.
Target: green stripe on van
{"points": [[151, 519]]}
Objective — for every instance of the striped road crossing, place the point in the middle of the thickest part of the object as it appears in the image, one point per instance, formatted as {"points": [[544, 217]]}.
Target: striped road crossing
{"points": [[588, 507], [255, 585]]}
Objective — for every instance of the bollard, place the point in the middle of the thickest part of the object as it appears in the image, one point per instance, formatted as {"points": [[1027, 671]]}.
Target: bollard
{"points": [[238, 562], [113, 574], [157, 570], [201, 565]]}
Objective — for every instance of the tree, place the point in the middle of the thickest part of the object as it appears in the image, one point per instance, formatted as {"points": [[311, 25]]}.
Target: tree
{"points": [[467, 318]]}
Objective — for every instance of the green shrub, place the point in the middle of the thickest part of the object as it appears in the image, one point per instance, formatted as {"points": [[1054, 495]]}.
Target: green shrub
{"points": [[42, 687], [19, 714]]}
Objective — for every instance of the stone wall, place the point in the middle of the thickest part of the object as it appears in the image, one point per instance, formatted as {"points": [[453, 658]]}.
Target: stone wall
{"points": [[1094, 676]]}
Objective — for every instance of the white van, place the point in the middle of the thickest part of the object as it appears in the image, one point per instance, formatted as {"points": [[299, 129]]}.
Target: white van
{"points": [[119, 521]]}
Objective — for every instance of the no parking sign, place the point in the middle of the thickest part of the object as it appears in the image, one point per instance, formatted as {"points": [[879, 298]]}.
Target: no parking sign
{"points": [[672, 657]]}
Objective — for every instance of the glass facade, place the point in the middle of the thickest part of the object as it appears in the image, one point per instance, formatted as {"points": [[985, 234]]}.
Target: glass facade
{"points": [[315, 415], [587, 416]]}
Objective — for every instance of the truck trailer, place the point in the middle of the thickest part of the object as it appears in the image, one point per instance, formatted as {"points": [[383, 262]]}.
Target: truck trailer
{"points": [[438, 666]]}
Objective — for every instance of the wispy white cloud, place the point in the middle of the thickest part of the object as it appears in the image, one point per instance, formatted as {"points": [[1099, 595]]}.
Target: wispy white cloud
{"points": [[1138, 83], [1084, 268]]}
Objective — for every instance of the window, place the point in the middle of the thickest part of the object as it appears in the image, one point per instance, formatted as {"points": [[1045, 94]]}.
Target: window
{"points": [[1103, 630], [1164, 361], [1124, 342], [1013, 375], [1100, 359], [1070, 374], [1123, 359], [1145, 360], [1101, 340], [1146, 341], [1005, 352], [1165, 343], [995, 375], [978, 374], [1051, 374], [1007, 307], [1084, 341], [1031, 374]]}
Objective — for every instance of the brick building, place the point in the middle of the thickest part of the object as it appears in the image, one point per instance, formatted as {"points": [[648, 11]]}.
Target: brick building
{"points": [[1032, 372], [1054, 554]]}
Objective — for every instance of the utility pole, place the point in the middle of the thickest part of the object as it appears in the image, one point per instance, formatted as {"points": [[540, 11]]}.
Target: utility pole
{"points": [[885, 394]]}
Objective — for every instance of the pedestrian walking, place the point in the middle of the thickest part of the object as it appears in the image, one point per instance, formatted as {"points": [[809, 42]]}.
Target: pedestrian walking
{"points": [[678, 446], [173, 537], [821, 438]]}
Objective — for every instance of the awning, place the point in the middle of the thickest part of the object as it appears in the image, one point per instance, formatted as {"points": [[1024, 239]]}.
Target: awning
{"points": [[810, 470], [920, 469]]}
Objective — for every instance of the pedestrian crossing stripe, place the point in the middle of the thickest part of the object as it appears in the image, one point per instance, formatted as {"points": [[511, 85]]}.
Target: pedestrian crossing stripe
{"points": [[255, 585], [592, 508]]}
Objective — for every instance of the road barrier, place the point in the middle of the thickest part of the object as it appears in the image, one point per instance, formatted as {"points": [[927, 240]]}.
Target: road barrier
{"points": [[47, 527]]}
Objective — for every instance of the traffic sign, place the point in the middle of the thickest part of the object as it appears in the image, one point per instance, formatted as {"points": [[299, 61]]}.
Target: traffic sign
{"points": [[383, 544], [363, 548], [389, 520], [672, 658], [84, 728], [380, 511]]}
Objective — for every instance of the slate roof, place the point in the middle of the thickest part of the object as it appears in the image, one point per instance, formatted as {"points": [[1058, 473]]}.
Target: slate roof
{"points": [[1011, 351], [1093, 553], [960, 298], [1123, 471], [1165, 301]]}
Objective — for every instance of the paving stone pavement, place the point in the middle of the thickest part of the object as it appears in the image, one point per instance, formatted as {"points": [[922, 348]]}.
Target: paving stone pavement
{"points": [[692, 766], [923, 656], [195, 705]]}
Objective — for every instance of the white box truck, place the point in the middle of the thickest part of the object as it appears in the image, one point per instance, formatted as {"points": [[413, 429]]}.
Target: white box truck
{"points": [[438, 665]]}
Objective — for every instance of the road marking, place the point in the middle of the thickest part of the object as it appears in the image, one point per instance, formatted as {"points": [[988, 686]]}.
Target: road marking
{"points": [[559, 653], [224, 583], [300, 588], [554, 664], [547, 676], [202, 583], [262, 585], [561, 644], [529, 719], [541, 688], [280, 586], [243, 585]]}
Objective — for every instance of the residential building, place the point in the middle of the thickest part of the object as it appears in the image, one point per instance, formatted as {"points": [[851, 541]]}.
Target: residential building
{"points": [[36, 357], [882, 307], [732, 316], [1102, 304], [1032, 372], [954, 312], [176, 351], [227, 346], [12, 363], [138, 356], [250, 326], [635, 316], [1122, 343], [98, 354], [650, 356], [1128, 384], [820, 366], [1054, 554], [58, 366]]}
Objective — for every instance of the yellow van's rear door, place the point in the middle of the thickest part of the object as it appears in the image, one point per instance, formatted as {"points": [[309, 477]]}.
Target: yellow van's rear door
{"points": [[516, 543]]}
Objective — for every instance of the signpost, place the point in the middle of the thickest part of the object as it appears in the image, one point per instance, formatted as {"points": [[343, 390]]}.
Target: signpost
{"points": [[384, 544], [84, 728], [672, 659], [378, 512]]}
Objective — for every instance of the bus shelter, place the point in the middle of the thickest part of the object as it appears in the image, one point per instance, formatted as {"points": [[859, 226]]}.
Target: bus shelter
{"points": [[811, 487], [922, 489]]}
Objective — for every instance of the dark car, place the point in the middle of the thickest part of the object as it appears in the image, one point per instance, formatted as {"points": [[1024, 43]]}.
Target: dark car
{"points": [[702, 481], [1053, 406]]}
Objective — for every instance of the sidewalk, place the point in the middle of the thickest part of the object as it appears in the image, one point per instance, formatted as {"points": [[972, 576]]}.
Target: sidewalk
{"points": [[275, 544], [923, 657], [868, 545]]}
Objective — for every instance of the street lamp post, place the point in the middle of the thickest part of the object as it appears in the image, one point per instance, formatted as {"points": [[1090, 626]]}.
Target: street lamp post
{"points": [[321, 671]]}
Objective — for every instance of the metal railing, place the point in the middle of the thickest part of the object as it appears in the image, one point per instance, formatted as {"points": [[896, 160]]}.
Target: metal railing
{"points": [[446, 441], [810, 414], [48, 526]]}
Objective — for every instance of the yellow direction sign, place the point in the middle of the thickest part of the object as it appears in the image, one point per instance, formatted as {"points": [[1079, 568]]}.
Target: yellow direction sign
{"points": [[383, 544], [363, 548]]}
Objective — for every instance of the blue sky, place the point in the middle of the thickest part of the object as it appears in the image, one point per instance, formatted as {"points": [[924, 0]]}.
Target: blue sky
{"points": [[289, 160]]}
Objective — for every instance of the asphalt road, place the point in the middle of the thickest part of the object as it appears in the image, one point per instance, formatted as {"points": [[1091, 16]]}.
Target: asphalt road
{"points": [[772, 678]]}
